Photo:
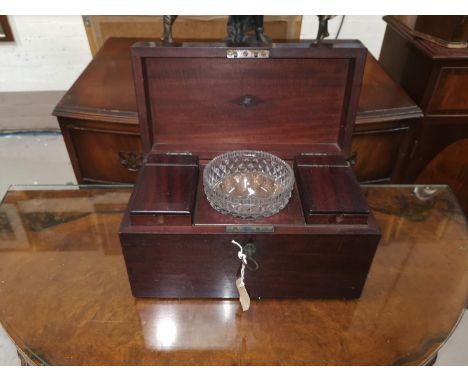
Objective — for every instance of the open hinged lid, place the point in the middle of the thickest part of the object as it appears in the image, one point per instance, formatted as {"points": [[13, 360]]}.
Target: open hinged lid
{"points": [[286, 98]]}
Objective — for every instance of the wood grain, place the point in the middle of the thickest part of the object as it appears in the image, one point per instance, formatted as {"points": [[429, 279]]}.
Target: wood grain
{"points": [[450, 166], [329, 191], [436, 77], [165, 192], [105, 92], [156, 251], [303, 94], [100, 165], [76, 289]]}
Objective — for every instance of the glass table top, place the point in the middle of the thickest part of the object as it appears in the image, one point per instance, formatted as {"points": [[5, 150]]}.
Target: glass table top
{"points": [[65, 298]]}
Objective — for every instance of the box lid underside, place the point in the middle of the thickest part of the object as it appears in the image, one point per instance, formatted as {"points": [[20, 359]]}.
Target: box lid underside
{"points": [[300, 99]]}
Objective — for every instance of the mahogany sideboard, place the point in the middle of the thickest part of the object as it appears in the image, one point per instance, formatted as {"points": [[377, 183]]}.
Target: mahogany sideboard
{"points": [[436, 77], [99, 121]]}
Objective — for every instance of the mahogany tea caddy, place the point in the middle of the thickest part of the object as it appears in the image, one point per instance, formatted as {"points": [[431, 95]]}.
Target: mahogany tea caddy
{"points": [[295, 100]]}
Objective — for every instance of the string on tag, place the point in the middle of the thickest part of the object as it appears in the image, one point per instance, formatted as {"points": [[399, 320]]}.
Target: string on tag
{"points": [[243, 258], [243, 294]]}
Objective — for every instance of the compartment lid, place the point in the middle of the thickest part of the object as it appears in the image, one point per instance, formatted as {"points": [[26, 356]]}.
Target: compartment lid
{"points": [[283, 98], [165, 191], [329, 191]]}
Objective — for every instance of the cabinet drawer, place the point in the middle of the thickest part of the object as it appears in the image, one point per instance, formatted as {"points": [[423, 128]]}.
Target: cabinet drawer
{"points": [[103, 152], [111, 153], [376, 151]]}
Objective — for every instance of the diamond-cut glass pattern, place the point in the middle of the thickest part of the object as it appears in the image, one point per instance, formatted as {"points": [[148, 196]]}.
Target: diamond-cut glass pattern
{"points": [[248, 184]]}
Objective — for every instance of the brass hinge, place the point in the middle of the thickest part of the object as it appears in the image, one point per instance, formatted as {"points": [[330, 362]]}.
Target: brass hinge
{"points": [[248, 53]]}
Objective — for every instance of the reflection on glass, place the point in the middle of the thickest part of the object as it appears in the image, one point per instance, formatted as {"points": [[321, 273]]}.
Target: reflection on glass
{"points": [[425, 192], [52, 256], [165, 333], [175, 325]]}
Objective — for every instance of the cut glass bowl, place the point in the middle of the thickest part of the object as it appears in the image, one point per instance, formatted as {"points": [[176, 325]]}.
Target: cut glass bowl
{"points": [[248, 184]]}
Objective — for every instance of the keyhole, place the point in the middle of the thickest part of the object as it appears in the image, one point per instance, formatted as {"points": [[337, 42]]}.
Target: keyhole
{"points": [[247, 101]]}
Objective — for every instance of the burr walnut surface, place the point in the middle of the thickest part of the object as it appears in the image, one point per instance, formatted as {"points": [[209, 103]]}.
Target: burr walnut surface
{"points": [[65, 298]]}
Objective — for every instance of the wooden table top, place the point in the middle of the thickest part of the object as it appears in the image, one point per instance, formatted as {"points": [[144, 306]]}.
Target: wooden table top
{"points": [[65, 297], [105, 90]]}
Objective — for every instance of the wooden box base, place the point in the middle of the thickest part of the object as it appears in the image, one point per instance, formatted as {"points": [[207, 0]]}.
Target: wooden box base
{"points": [[312, 265], [292, 256]]}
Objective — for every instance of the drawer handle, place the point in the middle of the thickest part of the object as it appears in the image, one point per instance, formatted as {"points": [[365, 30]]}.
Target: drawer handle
{"points": [[352, 159], [130, 160]]}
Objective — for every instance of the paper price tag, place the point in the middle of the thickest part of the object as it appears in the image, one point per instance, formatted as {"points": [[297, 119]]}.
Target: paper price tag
{"points": [[244, 297]]}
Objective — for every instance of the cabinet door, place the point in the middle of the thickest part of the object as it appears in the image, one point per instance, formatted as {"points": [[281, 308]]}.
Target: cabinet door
{"points": [[378, 150], [102, 152], [441, 155], [450, 94], [450, 166]]}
